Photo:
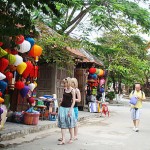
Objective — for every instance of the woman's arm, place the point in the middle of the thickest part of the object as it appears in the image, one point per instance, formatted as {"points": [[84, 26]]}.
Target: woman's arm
{"points": [[78, 96], [73, 102]]}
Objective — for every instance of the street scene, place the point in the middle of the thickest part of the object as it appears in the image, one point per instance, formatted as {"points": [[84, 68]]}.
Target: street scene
{"points": [[95, 132], [74, 74]]}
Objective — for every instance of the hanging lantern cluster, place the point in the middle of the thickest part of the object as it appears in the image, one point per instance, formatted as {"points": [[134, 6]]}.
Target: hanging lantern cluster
{"points": [[18, 66], [96, 78]]}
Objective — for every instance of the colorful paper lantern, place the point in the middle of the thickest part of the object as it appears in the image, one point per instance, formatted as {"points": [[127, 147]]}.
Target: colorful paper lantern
{"points": [[21, 68], [19, 60], [24, 91], [3, 86], [1, 111], [19, 85], [24, 47], [31, 40], [101, 73], [19, 39], [1, 43], [102, 81], [35, 51], [3, 64], [94, 76], [35, 84], [2, 76], [8, 51], [28, 69], [14, 52], [9, 75], [12, 68], [2, 52], [34, 72], [31, 100], [92, 70], [1, 94], [11, 58], [97, 71], [101, 90], [31, 86], [105, 73]]}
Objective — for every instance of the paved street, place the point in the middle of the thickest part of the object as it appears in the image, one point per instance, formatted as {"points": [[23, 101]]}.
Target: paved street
{"points": [[107, 133]]}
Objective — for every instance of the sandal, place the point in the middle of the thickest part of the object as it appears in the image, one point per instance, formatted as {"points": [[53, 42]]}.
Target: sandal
{"points": [[61, 143], [60, 139], [70, 141], [75, 139]]}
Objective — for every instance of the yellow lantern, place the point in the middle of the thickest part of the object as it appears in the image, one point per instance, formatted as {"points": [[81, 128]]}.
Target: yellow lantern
{"points": [[2, 52], [101, 73], [35, 84], [1, 100], [21, 68], [11, 58]]}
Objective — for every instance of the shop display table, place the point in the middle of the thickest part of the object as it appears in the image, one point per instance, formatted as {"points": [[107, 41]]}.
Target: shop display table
{"points": [[42, 110]]}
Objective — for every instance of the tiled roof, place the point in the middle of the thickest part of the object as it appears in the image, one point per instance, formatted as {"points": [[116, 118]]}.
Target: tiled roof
{"points": [[90, 57], [86, 56]]}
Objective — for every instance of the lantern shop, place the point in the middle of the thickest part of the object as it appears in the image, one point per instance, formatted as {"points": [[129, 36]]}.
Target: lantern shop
{"points": [[88, 78], [95, 90], [18, 75]]}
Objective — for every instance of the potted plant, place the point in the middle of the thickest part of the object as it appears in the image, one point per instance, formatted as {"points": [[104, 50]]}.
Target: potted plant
{"points": [[110, 95]]}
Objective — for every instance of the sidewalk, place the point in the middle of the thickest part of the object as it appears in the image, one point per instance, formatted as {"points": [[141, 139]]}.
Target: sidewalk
{"points": [[14, 130]]}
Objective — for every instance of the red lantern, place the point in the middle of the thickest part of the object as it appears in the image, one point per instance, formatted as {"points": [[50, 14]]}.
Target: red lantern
{"points": [[19, 85], [19, 39], [31, 100], [35, 51], [3, 64], [34, 72], [1, 94], [9, 75], [28, 69], [12, 68], [14, 52], [92, 70], [1, 43]]}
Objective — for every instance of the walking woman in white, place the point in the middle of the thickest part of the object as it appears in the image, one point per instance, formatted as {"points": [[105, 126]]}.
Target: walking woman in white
{"points": [[74, 84], [66, 116]]}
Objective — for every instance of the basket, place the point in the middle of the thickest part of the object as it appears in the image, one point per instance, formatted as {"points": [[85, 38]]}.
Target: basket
{"points": [[31, 118]]}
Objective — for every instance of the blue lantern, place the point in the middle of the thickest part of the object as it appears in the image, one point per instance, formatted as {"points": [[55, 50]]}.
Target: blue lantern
{"points": [[101, 90], [3, 86], [30, 40]]}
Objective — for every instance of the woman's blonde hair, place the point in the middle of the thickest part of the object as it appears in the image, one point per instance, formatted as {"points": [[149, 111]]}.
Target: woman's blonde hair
{"points": [[75, 81], [68, 80]]}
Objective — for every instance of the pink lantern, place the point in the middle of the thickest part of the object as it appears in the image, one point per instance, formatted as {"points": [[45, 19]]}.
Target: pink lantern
{"points": [[102, 81]]}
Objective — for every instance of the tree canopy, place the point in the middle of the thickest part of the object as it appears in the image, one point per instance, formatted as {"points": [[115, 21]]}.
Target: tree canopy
{"points": [[107, 14], [124, 57], [15, 15]]}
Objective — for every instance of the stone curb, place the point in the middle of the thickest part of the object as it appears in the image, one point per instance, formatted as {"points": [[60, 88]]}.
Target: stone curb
{"points": [[6, 137]]}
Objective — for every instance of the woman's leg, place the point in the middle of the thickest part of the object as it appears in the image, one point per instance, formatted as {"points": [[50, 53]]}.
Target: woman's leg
{"points": [[63, 132], [75, 132], [71, 135]]}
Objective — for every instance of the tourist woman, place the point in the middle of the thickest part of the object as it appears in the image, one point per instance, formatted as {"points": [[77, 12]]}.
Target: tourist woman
{"points": [[74, 84], [66, 116]]}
